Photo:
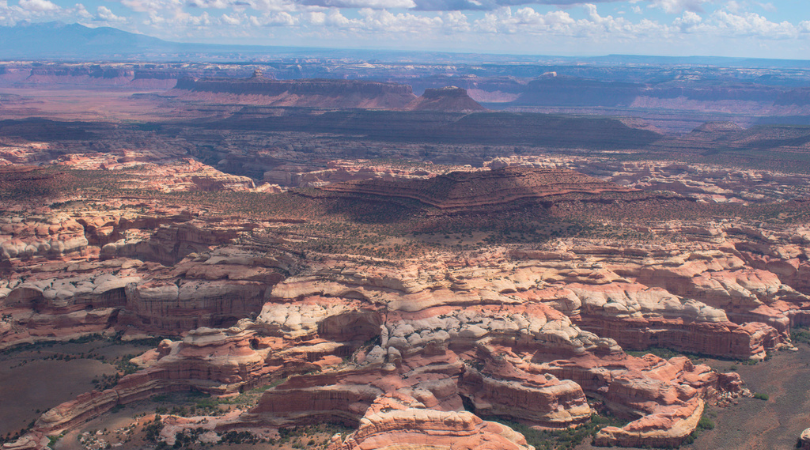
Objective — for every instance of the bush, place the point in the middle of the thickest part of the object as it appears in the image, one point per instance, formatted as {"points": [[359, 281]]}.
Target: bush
{"points": [[800, 335], [705, 424], [760, 396]]}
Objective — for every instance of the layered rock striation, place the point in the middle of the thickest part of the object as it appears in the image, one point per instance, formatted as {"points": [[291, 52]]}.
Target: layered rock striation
{"points": [[477, 189], [321, 93], [450, 98]]}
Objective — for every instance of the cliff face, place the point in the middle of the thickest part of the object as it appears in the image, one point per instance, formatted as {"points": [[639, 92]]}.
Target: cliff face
{"points": [[572, 91], [466, 190], [480, 128], [524, 333], [449, 98], [307, 93]]}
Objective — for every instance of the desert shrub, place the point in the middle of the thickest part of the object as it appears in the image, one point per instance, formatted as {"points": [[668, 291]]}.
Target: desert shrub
{"points": [[705, 423]]}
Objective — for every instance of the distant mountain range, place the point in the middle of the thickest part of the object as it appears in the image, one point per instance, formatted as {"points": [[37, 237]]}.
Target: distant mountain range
{"points": [[60, 41], [67, 41]]}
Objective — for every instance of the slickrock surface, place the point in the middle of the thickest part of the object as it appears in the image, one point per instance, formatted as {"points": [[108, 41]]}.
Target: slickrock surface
{"points": [[166, 171], [337, 172], [401, 421], [406, 351], [475, 189], [709, 183], [804, 439], [495, 334], [73, 276]]}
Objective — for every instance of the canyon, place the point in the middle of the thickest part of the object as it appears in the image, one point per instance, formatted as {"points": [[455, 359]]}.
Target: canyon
{"points": [[421, 271]]}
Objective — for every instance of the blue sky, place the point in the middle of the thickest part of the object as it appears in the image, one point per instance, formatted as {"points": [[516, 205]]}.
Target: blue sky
{"points": [[747, 28]]}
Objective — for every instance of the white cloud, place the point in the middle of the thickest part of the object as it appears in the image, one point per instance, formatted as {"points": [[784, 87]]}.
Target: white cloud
{"points": [[375, 4], [230, 20], [177, 21], [216, 4], [269, 5], [560, 23], [689, 23], [455, 22], [106, 15], [767, 6], [751, 24], [678, 6], [79, 10], [273, 19], [316, 17], [382, 20], [526, 20], [151, 5], [38, 5]]}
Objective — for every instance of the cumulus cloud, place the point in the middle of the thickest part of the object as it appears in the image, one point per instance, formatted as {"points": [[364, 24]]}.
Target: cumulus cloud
{"points": [[78, 10], [216, 4], [511, 22], [767, 6], [375, 4], [399, 23], [104, 14], [38, 5], [751, 24], [689, 23], [678, 6], [267, 5], [278, 19], [228, 20], [316, 17], [455, 22], [490, 5], [151, 5], [177, 20], [526, 20]]}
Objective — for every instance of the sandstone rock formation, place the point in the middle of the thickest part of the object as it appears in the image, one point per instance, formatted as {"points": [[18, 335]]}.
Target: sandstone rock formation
{"points": [[476, 189], [338, 172], [450, 98], [804, 439], [709, 183], [321, 93], [396, 421], [410, 350]]}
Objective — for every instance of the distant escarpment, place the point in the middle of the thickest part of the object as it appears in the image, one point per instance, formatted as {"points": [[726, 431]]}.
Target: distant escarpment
{"points": [[486, 128], [470, 190], [450, 98], [95, 75], [321, 93]]}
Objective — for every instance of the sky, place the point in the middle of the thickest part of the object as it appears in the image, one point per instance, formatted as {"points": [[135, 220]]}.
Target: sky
{"points": [[738, 28]]}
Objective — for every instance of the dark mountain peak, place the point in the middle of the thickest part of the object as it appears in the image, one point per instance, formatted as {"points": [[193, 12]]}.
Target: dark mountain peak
{"points": [[58, 39]]}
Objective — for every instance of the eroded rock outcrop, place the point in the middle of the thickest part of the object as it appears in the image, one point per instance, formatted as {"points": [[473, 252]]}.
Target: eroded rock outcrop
{"points": [[476, 189], [322, 93], [530, 333], [402, 421], [450, 98]]}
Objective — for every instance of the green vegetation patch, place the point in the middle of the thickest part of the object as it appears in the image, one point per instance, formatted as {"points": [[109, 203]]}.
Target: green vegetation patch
{"points": [[566, 439]]}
